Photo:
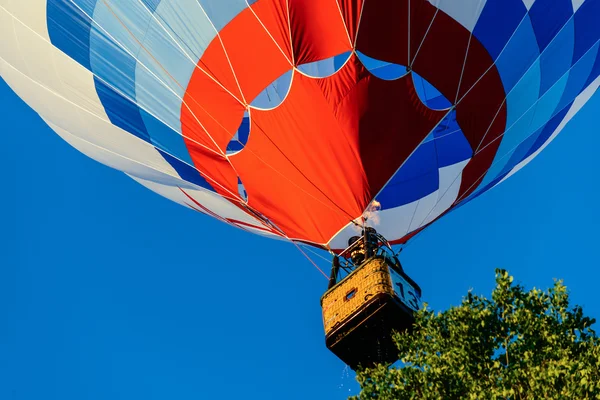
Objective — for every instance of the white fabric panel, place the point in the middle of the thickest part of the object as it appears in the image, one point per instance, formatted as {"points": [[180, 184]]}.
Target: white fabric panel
{"points": [[49, 67], [466, 12], [397, 222], [528, 3], [96, 131], [450, 180], [117, 161], [422, 211], [30, 12], [9, 46], [210, 200], [176, 38], [579, 102], [577, 4], [64, 94], [221, 12]]}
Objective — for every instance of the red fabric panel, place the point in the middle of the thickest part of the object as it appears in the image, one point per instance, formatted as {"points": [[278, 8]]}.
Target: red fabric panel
{"points": [[351, 10], [318, 30], [207, 106]]}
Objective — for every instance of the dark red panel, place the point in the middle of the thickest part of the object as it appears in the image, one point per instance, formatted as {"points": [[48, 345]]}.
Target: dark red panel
{"points": [[318, 30], [383, 30], [351, 10], [438, 47]]}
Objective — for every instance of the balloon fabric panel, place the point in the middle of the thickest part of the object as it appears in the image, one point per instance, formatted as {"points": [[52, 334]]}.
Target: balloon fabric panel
{"points": [[289, 118]]}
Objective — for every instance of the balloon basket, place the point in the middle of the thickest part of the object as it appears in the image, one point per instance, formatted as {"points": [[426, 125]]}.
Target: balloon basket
{"points": [[363, 310]]}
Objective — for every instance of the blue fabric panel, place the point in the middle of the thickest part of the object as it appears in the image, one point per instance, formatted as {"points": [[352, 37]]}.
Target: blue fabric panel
{"points": [[186, 172], [389, 71], [69, 27], [520, 153], [244, 130], [164, 137], [481, 191], [121, 111], [115, 83], [340, 60], [452, 149], [525, 128], [548, 17], [240, 138], [546, 107], [578, 76], [587, 27], [438, 103], [401, 193], [417, 178], [556, 59], [498, 21], [548, 130], [222, 12], [524, 95], [151, 4], [595, 71], [421, 162], [518, 56], [428, 94]]}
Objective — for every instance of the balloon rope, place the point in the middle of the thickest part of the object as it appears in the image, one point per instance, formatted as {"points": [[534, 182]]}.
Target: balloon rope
{"points": [[309, 259]]}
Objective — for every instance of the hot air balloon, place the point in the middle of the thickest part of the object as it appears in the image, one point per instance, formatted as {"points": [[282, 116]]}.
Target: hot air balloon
{"points": [[314, 121]]}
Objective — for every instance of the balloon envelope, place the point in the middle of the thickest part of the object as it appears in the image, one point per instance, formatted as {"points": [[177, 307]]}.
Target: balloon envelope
{"points": [[299, 118]]}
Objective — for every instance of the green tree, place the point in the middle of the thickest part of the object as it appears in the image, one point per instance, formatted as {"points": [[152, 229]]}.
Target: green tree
{"points": [[518, 345]]}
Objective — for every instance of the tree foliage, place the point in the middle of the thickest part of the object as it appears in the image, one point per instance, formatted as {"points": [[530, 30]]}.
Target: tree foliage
{"points": [[518, 345]]}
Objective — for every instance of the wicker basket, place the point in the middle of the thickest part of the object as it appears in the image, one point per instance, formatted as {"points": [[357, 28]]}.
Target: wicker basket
{"points": [[347, 297], [361, 312]]}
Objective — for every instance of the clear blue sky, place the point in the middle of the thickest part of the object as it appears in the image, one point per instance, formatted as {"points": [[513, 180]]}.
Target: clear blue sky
{"points": [[108, 291]]}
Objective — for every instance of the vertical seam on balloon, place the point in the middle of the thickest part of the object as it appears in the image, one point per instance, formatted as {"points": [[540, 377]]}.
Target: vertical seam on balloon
{"points": [[344, 22], [225, 51], [271, 36], [408, 36], [362, 9], [411, 62], [17, 40], [462, 72], [289, 20]]}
